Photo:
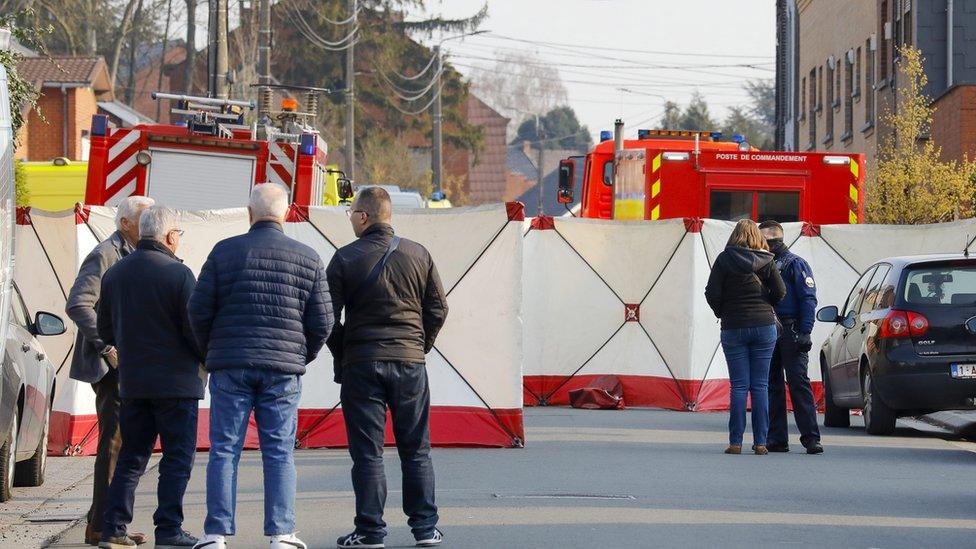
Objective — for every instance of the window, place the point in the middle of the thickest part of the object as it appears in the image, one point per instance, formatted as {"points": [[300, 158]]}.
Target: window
{"points": [[820, 87], [608, 172], [906, 22], [941, 285], [803, 97], [874, 289], [813, 108], [868, 86], [848, 98], [781, 206], [829, 122], [854, 299], [756, 205], [730, 205], [857, 73], [19, 311], [884, 33]]}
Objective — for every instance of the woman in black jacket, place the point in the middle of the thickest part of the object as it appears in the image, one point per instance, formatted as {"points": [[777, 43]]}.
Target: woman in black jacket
{"points": [[742, 289]]}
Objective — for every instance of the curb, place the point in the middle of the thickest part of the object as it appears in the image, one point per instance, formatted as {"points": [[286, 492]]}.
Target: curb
{"points": [[962, 423]]}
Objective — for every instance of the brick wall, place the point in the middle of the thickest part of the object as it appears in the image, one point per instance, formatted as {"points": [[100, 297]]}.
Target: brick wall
{"points": [[45, 134], [44, 139], [83, 105], [954, 123]]}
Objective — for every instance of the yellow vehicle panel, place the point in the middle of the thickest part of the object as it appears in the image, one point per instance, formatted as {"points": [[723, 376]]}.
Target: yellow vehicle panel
{"points": [[55, 188]]}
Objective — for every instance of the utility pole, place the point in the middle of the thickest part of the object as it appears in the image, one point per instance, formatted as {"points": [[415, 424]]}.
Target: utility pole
{"points": [[351, 99], [217, 49], [436, 164], [222, 84], [264, 42], [539, 175]]}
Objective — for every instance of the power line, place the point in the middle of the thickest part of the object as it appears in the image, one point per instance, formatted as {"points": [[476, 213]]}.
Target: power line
{"points": [[622, 50], [755, 66], [572, 81]]}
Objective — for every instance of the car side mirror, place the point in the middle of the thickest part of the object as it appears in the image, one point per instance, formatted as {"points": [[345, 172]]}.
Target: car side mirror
{"points": [[345, 189], [828, 314], [567, 177], [47, 324]]}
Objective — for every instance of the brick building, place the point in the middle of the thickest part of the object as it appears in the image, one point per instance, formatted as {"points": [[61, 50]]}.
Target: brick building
{"points": [[70, 88], [837, 71]]}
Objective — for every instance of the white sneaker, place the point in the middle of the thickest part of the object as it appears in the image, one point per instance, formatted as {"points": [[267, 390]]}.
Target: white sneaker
{"points": [[211, 541], [289, 541]]}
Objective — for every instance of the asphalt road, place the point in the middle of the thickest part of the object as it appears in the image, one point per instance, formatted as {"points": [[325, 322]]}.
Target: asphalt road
{"points": [[641, 478]]}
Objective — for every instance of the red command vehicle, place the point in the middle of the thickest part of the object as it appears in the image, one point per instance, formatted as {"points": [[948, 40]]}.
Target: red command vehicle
{"points": [[668, 174], [213, 159]]}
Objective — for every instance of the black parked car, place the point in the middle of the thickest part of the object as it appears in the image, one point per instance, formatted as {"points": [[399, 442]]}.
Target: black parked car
{"points": [[26, 396], [905, 342]]}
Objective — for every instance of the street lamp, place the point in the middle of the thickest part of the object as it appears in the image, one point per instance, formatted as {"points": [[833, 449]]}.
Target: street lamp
{"points": [[538, 144], [436, 164]]}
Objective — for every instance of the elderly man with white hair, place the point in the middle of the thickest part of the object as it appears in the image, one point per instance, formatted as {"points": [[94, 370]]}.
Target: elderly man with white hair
{"points": [[143, 312], [94, 361], [261, 312]]}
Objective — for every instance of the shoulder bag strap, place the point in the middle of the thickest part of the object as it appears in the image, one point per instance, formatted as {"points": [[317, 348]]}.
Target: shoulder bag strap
{"points": [[374, 274]]}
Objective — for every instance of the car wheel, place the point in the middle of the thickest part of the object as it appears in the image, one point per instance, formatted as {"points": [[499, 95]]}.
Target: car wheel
{"points": [[31, 472], [8, 459], [879, 419], [834, 416]]}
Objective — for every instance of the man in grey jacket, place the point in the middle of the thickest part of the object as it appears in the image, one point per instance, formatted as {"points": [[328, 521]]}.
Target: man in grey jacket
{"points": [[95, 362]]}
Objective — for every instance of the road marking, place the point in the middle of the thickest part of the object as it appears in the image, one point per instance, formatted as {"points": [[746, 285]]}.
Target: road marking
{"points": [[672, 436], [511, 516]]}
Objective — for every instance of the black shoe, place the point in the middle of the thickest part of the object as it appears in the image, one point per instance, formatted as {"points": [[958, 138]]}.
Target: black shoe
{"points": [[430, 539], [361, 541], [778, 448], [814, 448]]}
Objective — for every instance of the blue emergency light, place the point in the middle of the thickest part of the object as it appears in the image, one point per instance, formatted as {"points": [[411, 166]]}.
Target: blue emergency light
{"points": [[643, 134], [738, 138], [606, 135], [307, 146], [99, 125], [716, 136]]}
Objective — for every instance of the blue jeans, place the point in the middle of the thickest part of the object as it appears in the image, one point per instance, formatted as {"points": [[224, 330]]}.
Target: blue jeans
{"points": [[748, 352], [174, 420], [368, 389], [273, 396]]}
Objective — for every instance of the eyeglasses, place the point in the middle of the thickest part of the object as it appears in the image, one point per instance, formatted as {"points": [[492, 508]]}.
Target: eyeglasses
{"points": [[178, 231], [350, 212]]}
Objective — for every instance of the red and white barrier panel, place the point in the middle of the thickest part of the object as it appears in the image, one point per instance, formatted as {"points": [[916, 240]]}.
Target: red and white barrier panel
{"points": [[475, 369], [627, 299]]}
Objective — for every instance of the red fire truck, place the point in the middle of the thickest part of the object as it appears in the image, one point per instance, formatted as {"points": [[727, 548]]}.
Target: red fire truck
{"points": [[668, 174], [213, 159]]}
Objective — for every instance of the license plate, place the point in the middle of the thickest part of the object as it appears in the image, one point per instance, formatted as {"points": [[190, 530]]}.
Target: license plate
{"points": [[963, 371]]}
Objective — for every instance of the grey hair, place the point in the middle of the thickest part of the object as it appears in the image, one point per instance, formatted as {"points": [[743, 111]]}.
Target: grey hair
{"points": [[269, 201], [129, 206], [157, 222]]}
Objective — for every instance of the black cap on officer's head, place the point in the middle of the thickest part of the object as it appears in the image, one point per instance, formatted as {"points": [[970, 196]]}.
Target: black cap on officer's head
{"points": [[771, 224]]}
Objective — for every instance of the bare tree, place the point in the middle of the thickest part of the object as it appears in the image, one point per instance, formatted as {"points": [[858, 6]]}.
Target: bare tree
{"points": [[124, 25], [517, 84]]}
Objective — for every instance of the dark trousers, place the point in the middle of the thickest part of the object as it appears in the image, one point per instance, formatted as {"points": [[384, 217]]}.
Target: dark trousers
{"points": [[367, 390], [787, 358], [174, 421], [109, 439]]}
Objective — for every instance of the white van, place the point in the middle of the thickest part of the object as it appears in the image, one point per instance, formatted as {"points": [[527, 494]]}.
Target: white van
{"points": [[401, 200]]}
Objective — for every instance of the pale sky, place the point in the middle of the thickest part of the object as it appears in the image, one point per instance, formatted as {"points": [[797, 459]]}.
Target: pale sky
{"points": [[741, 32]]}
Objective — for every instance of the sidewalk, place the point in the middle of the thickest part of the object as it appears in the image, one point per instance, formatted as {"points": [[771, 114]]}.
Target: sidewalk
{"points": [[36, 514]]}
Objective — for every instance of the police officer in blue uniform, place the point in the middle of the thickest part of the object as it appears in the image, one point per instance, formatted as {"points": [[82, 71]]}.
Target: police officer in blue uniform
{"points": [[797, 313]]}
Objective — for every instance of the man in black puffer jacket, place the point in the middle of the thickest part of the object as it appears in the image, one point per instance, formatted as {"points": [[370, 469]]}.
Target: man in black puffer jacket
{"points": [[261, 312], [395, 306]]}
